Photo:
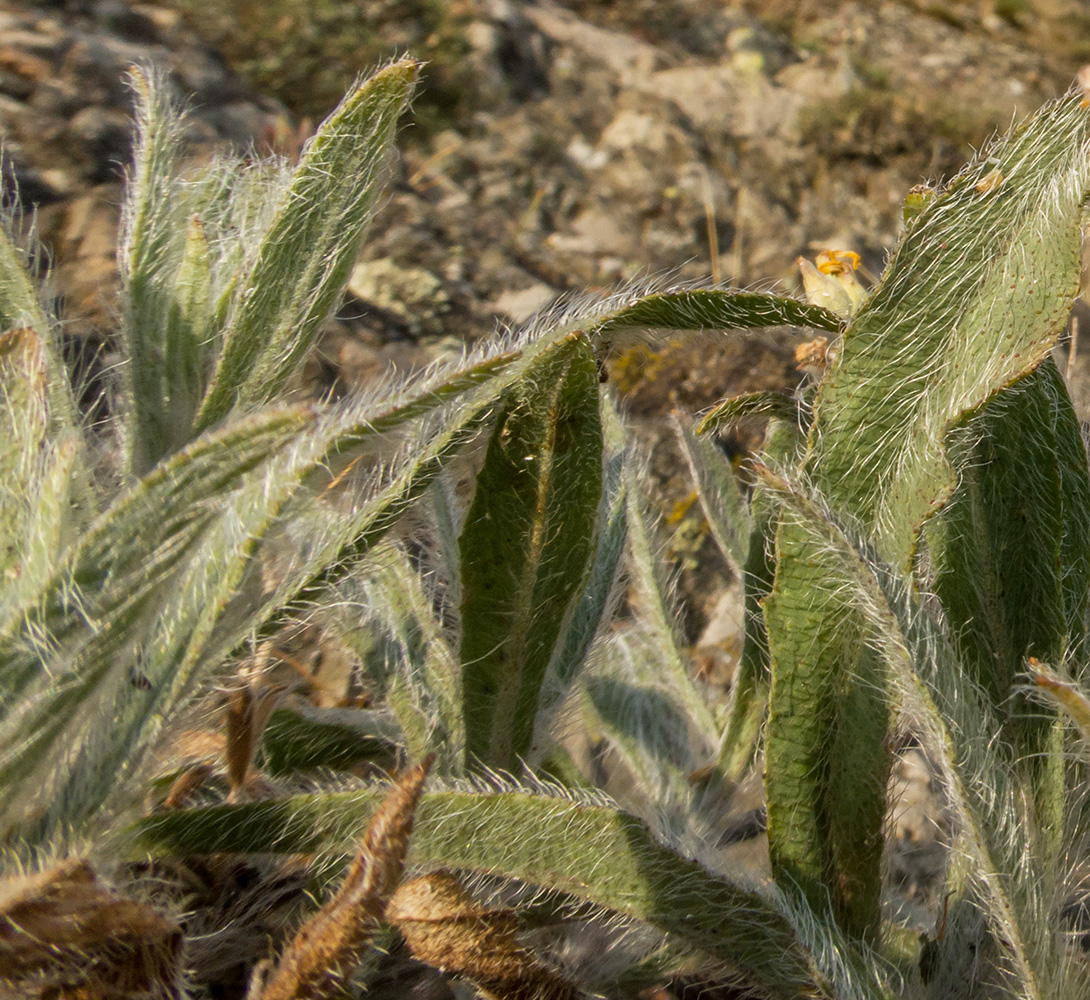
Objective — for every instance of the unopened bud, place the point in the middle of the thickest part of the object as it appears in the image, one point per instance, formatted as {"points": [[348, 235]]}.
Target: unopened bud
{"points": [[823, 290], [917, 200], [1082, 78], [841, 264], [813, 356], [832, 283]]}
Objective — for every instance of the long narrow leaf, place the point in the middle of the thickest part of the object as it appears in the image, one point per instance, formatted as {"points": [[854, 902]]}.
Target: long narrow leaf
{"points": [[652, 584], [783, 445], [827, 757], [151, 223], [525, 549], [975, 297], [305, 257], [301, 738], [591, 852], [652, 737], [187, 336], [711, 309], [1010, 556], [959, 732], [751, 404], [585, 616], [1010, 594], [720, 498], [24, 417], [20, 308], [388, 618]]}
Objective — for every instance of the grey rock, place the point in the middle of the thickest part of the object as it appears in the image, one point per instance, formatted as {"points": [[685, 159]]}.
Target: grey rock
{"points": [[106, 137], [66, 128], [412, 295], [120, 18], [204, 78]]}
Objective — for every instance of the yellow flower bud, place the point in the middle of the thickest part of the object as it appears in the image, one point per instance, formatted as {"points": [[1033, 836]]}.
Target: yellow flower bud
{"points": [[841, 265], [832, 283], [823, 290], [837, 261]]}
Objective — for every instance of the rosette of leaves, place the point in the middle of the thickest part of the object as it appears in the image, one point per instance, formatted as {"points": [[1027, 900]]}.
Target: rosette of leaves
{"points": [[918, 529], [146, 558], [927, 538]]}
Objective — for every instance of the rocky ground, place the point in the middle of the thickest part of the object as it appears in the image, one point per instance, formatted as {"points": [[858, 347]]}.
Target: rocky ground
{"points": [[611, 142], [591, 143]]}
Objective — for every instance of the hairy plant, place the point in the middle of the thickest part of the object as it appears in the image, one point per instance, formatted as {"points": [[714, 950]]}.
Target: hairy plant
{"points": [[915, 537]]}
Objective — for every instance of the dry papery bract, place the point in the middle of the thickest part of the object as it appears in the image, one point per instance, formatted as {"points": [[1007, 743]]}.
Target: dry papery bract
{"points": [[445, 927], [329, 945], [65, 934]]}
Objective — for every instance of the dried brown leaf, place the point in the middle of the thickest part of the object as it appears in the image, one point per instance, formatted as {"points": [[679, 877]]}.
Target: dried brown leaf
{"points": [[186, 784], [63, 933], [445, 927], [250, 705], [22, 354], [329, 944], [195, 746], [240, 735]]}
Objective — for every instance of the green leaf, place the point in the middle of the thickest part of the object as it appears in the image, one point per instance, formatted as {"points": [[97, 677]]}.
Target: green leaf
{"points": [[783, 445], [1010, 557], [720, 498], [591, 852], [216, 612], [653, 592], [750, 404], [152, 219], [957, 726], [306, 254], [525, 549], [20, 308], [52, 526], [136, 545], [736, 532], [711, 309], [187, 334], [24, 418], [1011, 550], [975, 296], [174, 496], [827, 758], [585, 616], [305, 739], [447, 512], [19, 303], [388, 619], [368, 523], [652, 736]]}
